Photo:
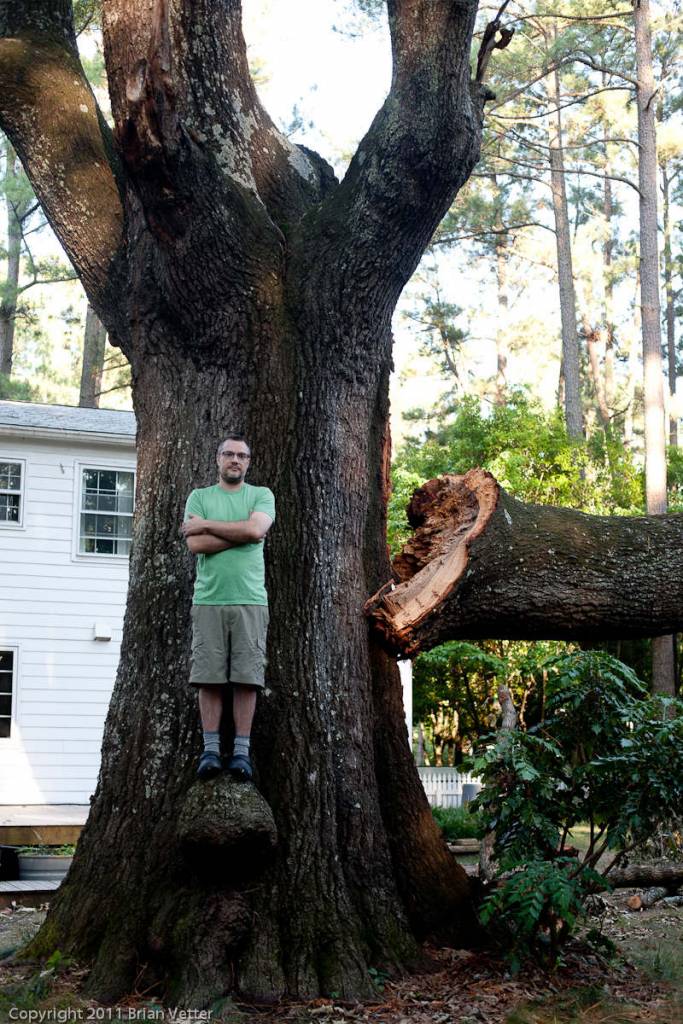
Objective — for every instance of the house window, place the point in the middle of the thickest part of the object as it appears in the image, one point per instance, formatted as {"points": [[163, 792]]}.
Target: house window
{"points": [[106, 513], [6, 682], [11, 479]]}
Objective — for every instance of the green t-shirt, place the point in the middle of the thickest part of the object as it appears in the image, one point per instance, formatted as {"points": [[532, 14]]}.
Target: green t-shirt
{"points": [[235, 576]]}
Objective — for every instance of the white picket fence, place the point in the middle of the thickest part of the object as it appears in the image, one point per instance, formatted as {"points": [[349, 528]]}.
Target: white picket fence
{"points": [[443, 786]]}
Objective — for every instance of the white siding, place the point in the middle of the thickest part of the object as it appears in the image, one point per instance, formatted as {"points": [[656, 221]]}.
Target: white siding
{"points": [[50, 599]]}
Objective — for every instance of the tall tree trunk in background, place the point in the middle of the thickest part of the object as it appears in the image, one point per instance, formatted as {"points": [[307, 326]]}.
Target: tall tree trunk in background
{"points": [[502, 256], [94, 344], [596, 347], [9, 287], [283, 331], [655, 439], [608, 278], [565, 272], [670, 313], [502, 252], [634, 372]]}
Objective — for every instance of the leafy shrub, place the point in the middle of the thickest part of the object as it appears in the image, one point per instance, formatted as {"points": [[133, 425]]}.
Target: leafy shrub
{"points": [[538, 907], [458, 822], [606, 754]]}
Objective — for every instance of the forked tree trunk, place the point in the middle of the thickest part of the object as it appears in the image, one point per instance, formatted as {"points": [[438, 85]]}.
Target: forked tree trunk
{"points": [[250, 291]]}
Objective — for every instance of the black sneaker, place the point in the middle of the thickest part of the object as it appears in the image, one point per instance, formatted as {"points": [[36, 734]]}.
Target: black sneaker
{"points": [[209, 765], [240, 768]]}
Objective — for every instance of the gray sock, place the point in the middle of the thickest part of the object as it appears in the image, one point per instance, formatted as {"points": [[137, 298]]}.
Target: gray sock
{"points": [[241, 746], [212, 742]]}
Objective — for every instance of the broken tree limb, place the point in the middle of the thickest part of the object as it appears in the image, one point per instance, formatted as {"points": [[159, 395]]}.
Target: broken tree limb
{"points": [[483, 565]]}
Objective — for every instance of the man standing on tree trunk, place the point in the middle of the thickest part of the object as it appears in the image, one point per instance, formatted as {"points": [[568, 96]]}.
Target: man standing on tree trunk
{"points": [[225, 526]]}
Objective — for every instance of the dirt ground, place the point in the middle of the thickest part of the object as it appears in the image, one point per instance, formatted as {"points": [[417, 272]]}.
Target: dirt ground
{"points": [[643, 984]]}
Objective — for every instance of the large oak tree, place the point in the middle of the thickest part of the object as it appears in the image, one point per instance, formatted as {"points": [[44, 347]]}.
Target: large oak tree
{"points": [[249, 290]]}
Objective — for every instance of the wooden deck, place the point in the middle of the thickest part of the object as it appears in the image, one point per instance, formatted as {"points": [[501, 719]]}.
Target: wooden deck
{"points": [[41, 824], [26, 894]]}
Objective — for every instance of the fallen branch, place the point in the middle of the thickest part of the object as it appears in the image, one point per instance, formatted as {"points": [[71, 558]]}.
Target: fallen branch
{"points": [[482, 564], [669, 875]]}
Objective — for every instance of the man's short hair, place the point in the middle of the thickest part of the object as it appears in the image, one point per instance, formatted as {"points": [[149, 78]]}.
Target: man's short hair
{"points": [[233, 437]]}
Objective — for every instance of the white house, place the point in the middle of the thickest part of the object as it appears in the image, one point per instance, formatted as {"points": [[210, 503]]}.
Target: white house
{"points": [[67, 480]]}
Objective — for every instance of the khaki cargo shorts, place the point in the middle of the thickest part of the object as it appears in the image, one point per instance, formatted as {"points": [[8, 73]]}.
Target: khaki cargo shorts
{"points": [[228, 644]]}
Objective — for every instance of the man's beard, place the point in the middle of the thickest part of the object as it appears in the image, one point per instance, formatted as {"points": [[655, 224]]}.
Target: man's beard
{"points": [[231, 476]]}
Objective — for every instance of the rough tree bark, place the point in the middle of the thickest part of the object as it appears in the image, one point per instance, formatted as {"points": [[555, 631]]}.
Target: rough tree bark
{"points": [[252, 291], [482, 564], [663, 675], [94, 344], [669, 874]]}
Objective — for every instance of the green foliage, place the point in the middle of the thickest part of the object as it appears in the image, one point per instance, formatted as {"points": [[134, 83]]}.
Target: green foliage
{"points": [[404, 483], [528, 451], [87, 14], [675, 478], [604, 753], [15, 390], [455, 688], [538, 907], [66, 850], [459, 822]]}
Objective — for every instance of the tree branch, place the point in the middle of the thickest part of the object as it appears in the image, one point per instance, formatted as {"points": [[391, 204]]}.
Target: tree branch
{"points": [[562, 106], [50, 114], [590, 63], [417, 154], [449, 239]]}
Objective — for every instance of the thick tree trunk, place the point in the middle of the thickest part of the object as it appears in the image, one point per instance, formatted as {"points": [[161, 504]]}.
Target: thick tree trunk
{"points": [[655, 438], [482, 564], [94, 344], [250, 291], [565, 271], [10, 286], [359, 869]]}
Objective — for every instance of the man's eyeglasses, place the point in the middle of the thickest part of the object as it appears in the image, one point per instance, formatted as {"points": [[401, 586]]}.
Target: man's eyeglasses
{"points": [[242, 456]]}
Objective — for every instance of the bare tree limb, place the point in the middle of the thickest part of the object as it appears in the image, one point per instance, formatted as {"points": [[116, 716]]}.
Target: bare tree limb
{"points": [[495, 37], [449, 239]]}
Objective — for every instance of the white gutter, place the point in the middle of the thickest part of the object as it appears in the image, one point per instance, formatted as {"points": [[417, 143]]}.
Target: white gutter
{"points": [[64, 433]]}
